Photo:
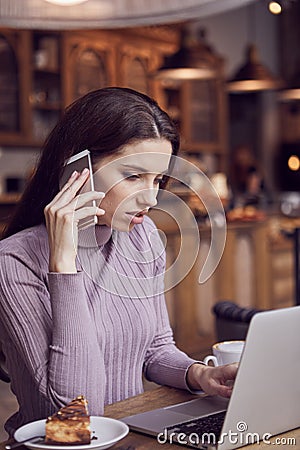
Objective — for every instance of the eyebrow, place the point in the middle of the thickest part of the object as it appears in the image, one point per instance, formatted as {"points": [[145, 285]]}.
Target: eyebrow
{"points": [[142, 169]]}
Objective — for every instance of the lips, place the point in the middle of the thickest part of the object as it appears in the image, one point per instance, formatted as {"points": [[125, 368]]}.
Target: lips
{"points": [[139, 213], [138, 217]]}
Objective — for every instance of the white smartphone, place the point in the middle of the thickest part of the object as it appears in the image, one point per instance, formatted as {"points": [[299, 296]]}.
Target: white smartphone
{"points": [[79, 162]]}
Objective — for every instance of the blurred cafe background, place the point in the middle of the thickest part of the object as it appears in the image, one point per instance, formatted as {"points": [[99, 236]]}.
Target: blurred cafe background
{"points": [[228, 72]]}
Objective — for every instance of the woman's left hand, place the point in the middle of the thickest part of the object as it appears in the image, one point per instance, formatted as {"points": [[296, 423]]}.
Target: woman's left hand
{"points": [[212, 380]]}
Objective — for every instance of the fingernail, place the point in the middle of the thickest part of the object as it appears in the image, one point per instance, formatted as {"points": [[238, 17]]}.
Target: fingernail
{"points": [[85, 171], [100, 211], [74, 174]]}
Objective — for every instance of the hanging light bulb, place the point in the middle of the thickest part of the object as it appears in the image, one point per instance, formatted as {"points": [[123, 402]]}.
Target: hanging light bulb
{"points": [[66, 2], [294, 163], [275, 7]]}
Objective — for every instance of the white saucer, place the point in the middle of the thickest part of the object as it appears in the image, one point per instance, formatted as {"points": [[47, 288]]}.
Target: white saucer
{"points": [[108, 432]]}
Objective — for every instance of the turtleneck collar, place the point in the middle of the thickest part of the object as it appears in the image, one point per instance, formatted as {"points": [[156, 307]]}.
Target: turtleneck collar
{"points": [[94, 236]]}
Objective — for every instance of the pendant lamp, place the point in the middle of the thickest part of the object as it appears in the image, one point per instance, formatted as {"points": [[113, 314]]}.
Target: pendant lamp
{"points": [[253, 75], [195, 59], [292, 91]]}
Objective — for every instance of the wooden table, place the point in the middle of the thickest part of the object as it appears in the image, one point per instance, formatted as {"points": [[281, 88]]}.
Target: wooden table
{"points": [[164, 396]]}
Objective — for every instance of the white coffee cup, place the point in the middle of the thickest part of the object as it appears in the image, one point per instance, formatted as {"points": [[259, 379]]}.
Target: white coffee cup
{"points": [[226, 352]]}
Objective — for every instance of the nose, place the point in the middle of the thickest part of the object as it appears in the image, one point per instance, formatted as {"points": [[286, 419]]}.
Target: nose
{"points": [[147, 198]]}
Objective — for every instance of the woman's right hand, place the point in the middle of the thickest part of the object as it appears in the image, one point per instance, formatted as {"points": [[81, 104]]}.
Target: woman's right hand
{"points": [[212, 380], [62, 215]]}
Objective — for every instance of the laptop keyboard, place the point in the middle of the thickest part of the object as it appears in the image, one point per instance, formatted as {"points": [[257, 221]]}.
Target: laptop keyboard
{"points": [[203, 427]]}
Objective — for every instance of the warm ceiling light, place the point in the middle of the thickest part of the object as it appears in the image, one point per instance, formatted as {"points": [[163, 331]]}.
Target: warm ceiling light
{"points": [[292, 90], [288, 95], [294, 163], [66, 2], [253, 75], [275, 8], [194, 60]]}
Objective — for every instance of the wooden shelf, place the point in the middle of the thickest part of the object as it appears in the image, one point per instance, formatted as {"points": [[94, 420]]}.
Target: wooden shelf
{"points": [[55, 68]]}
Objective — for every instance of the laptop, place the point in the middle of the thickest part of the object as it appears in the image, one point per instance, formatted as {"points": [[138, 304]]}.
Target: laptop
{"points": [[265, 400]]}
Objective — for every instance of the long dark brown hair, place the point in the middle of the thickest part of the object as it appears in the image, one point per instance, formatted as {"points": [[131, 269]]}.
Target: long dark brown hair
{"points": [[103, 121]]}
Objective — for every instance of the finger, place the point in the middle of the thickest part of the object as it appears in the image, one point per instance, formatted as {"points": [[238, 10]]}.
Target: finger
{"points": [[87, 197], [73, 176], [88, 211], [227, 372], [70, 189], [74, 184], [231, 370], [220, 389], [67, 212], [224, 391]]}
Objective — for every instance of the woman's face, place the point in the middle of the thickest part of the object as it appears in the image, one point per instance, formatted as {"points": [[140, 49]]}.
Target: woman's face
{"points": [[131, 182]]}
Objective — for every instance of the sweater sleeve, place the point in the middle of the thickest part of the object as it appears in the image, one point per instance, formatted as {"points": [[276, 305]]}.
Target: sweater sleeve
{"points": [[164, 363], [50, 327]]}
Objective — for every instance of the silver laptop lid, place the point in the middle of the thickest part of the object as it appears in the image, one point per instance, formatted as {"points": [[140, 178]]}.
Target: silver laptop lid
{"points": [[266, 395]]}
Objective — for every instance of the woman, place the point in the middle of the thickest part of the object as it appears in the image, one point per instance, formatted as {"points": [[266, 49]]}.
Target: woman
{"points": [[66, 328]]}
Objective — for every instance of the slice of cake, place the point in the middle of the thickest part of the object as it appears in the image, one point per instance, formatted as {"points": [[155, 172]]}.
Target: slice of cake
{"points": [[70, 425]]}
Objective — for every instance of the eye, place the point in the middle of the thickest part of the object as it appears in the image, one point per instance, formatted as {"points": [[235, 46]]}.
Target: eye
{"points": [[130, 176], [158, 180]]}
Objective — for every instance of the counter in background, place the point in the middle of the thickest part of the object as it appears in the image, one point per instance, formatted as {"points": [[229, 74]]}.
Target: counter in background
{"points": [[254, 271]]}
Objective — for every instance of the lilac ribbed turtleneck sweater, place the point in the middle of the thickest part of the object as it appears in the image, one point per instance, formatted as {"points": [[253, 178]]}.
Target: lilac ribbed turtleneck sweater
{"points": [[94, 332]]}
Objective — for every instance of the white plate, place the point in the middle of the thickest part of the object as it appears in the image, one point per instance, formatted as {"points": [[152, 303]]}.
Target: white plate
{"points": [[108, 431]]}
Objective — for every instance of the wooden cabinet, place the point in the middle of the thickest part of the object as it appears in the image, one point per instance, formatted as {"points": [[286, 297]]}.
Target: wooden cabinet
{"points": [[89, 63], [90, 72], [47, 70], [9, 113], [199, 108], [30, 86], [14, 85], [44, 71], [46, 101], [134, 68]]}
